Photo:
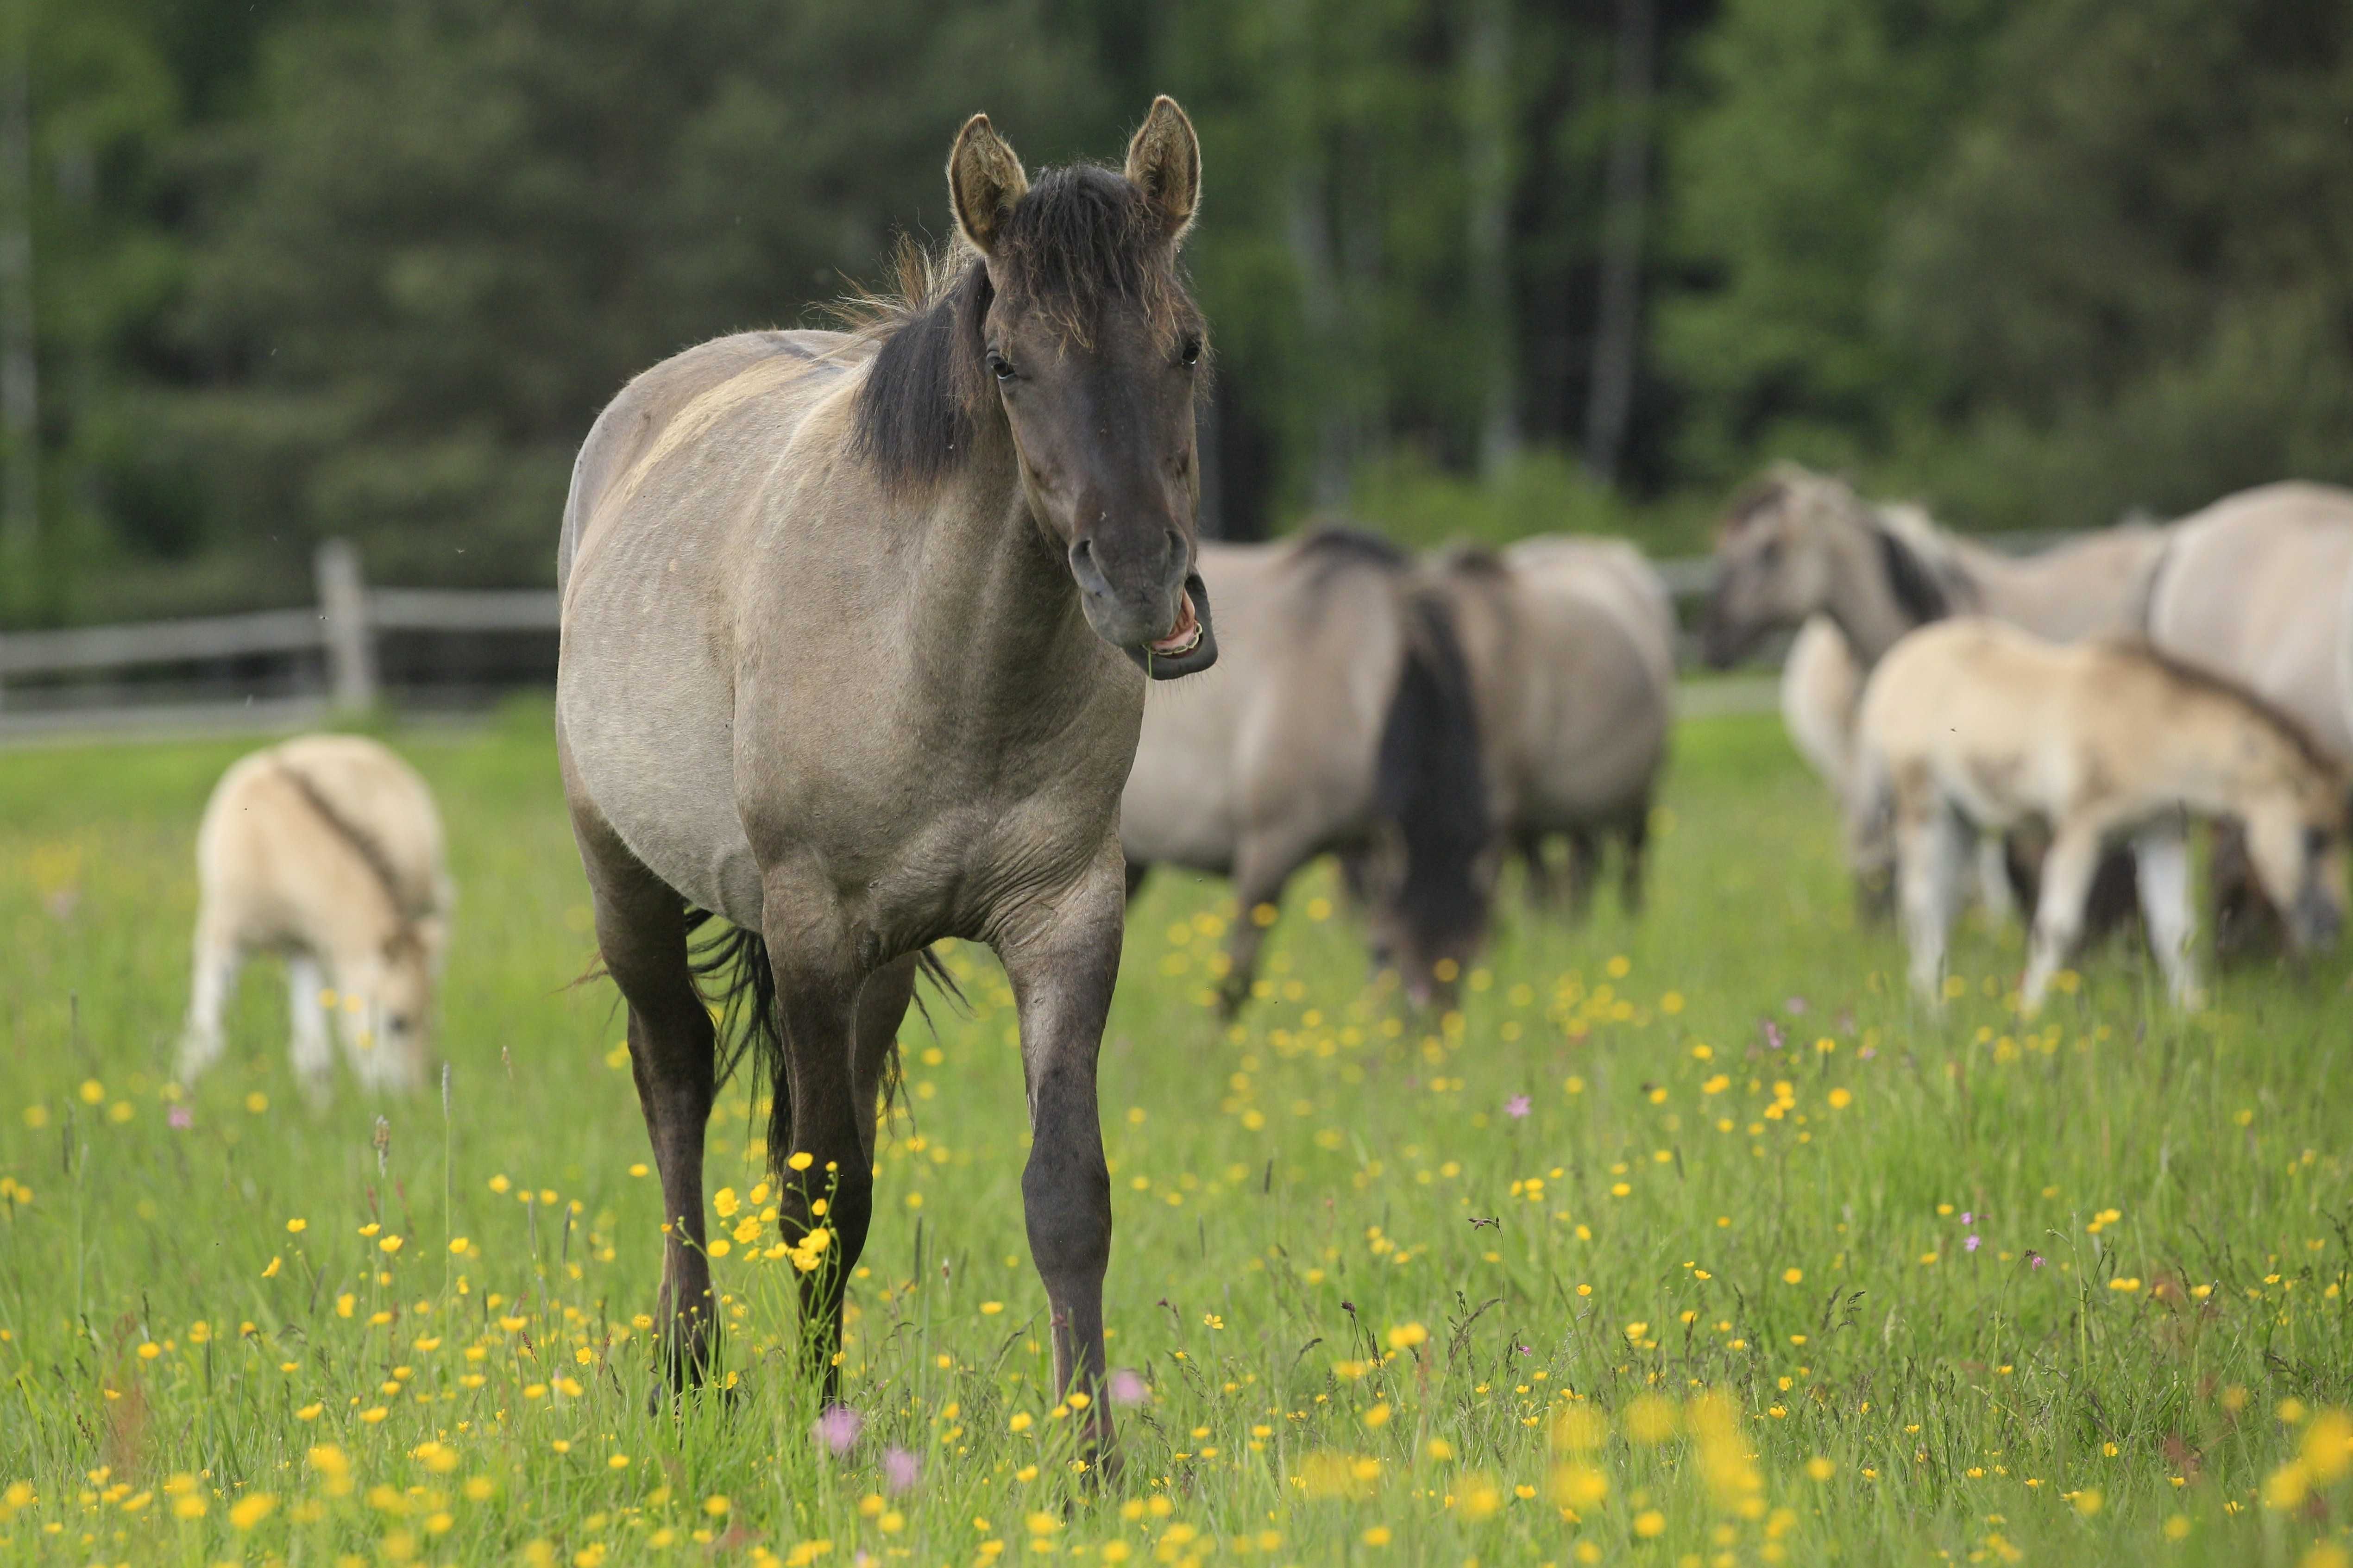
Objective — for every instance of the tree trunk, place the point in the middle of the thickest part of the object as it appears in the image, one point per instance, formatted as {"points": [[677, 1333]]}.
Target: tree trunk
{"points": [[1610, 397], [1487, 108], [20, 407]]}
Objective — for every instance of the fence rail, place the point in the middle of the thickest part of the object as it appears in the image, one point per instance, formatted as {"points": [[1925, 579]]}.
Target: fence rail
{"points": [[343, 631]]}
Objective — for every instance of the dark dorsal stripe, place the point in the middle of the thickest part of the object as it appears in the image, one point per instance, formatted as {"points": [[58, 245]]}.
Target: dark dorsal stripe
{"points": [[1915, 585], [406, 910]]}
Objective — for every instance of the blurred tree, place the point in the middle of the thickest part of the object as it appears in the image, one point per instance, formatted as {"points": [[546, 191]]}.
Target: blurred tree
{"points": [[1813, 118], [2133, 274], [455, 229]]}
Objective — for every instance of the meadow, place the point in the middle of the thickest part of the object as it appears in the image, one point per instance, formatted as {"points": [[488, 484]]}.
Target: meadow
{"points": [[1688, 1241]]}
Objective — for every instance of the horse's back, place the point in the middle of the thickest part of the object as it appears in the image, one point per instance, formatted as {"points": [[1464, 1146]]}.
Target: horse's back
{"points": [[640, 421], [2257, 588], [1601, 693], [273, 867]]}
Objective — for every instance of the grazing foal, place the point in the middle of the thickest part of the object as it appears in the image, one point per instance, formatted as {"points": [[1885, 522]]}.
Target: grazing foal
{"points": [[856, 634], [325, 849], [1971, 724]]}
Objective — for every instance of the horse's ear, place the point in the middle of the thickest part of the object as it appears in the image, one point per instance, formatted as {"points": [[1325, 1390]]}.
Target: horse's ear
{"points": [[984, 180], [1163, 162]]}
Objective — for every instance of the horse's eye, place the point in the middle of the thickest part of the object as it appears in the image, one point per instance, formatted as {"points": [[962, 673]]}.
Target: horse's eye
{"points": [[399, 1023], [1192, 353], [999, 366]]}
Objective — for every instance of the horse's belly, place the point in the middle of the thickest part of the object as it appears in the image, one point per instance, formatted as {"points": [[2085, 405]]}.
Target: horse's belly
{"points": [[653, 746]]}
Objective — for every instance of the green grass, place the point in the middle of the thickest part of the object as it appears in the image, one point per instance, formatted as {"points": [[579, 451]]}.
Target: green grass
{"points": [[1731, 1232]]}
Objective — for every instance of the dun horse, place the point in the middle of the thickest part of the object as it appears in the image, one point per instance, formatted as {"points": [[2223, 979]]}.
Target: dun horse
{"points": [[857, 629], [1973, 721], [1340, 719], [2259, 589], [1572, 650], [325, 849]]}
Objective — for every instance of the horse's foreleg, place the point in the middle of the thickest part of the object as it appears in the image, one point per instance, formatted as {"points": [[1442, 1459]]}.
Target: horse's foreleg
{"points": [[2161, 869], [821, 1156], [1062, 958], [2067, 870], [312, 1049], [1929, 852], [218, 959]]}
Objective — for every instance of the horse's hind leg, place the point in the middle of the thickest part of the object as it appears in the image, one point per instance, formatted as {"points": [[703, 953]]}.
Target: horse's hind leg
{"points": [[1062, 956], [881, 1008], [1993, 862], [641, 935], [2161, 869]]}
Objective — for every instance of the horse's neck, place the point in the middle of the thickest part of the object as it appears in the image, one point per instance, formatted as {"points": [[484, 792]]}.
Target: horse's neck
{"points": [[1862, 602], [991, 591]]}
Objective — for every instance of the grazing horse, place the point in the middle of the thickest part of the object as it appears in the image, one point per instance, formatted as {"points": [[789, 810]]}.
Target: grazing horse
{"points": [[2259, 589], [1975, 722], [326, 848], [1571, 643], [857, 628], [1340, 719], [1801, 551]]}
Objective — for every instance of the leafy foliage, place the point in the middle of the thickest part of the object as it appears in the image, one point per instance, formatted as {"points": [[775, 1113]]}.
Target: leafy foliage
{"points": [[371, 271]]}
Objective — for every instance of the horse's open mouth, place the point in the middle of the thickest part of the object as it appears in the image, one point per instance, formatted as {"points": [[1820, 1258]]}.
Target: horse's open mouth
{"points": [[1186, 637], [1191, 644]]}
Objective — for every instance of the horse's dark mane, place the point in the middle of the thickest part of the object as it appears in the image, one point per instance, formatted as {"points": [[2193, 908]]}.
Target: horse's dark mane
{"points": [[1912, 580], [2197, 677], [1080, 239], [1755, 497]]}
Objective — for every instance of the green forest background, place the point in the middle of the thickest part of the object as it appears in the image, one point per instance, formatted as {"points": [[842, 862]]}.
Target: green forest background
{"points": [[369, 268]]}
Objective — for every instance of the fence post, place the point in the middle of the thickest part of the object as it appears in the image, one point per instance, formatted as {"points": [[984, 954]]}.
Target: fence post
{"points": [[351, 644]]}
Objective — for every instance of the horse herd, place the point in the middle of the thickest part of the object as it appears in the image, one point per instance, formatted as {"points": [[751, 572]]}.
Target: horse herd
{"points": [[2065, 715], [858, 629]]}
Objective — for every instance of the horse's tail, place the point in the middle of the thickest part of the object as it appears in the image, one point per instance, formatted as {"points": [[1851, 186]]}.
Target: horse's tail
{"points": [[1431, 778], [732, 970]]}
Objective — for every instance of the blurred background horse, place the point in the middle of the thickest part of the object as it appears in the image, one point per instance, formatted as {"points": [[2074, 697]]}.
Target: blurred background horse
{"points": [[1341, 718]]}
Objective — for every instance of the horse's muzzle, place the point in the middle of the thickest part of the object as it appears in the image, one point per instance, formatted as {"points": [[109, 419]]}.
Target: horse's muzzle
{"points": [[1190, 650]]}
